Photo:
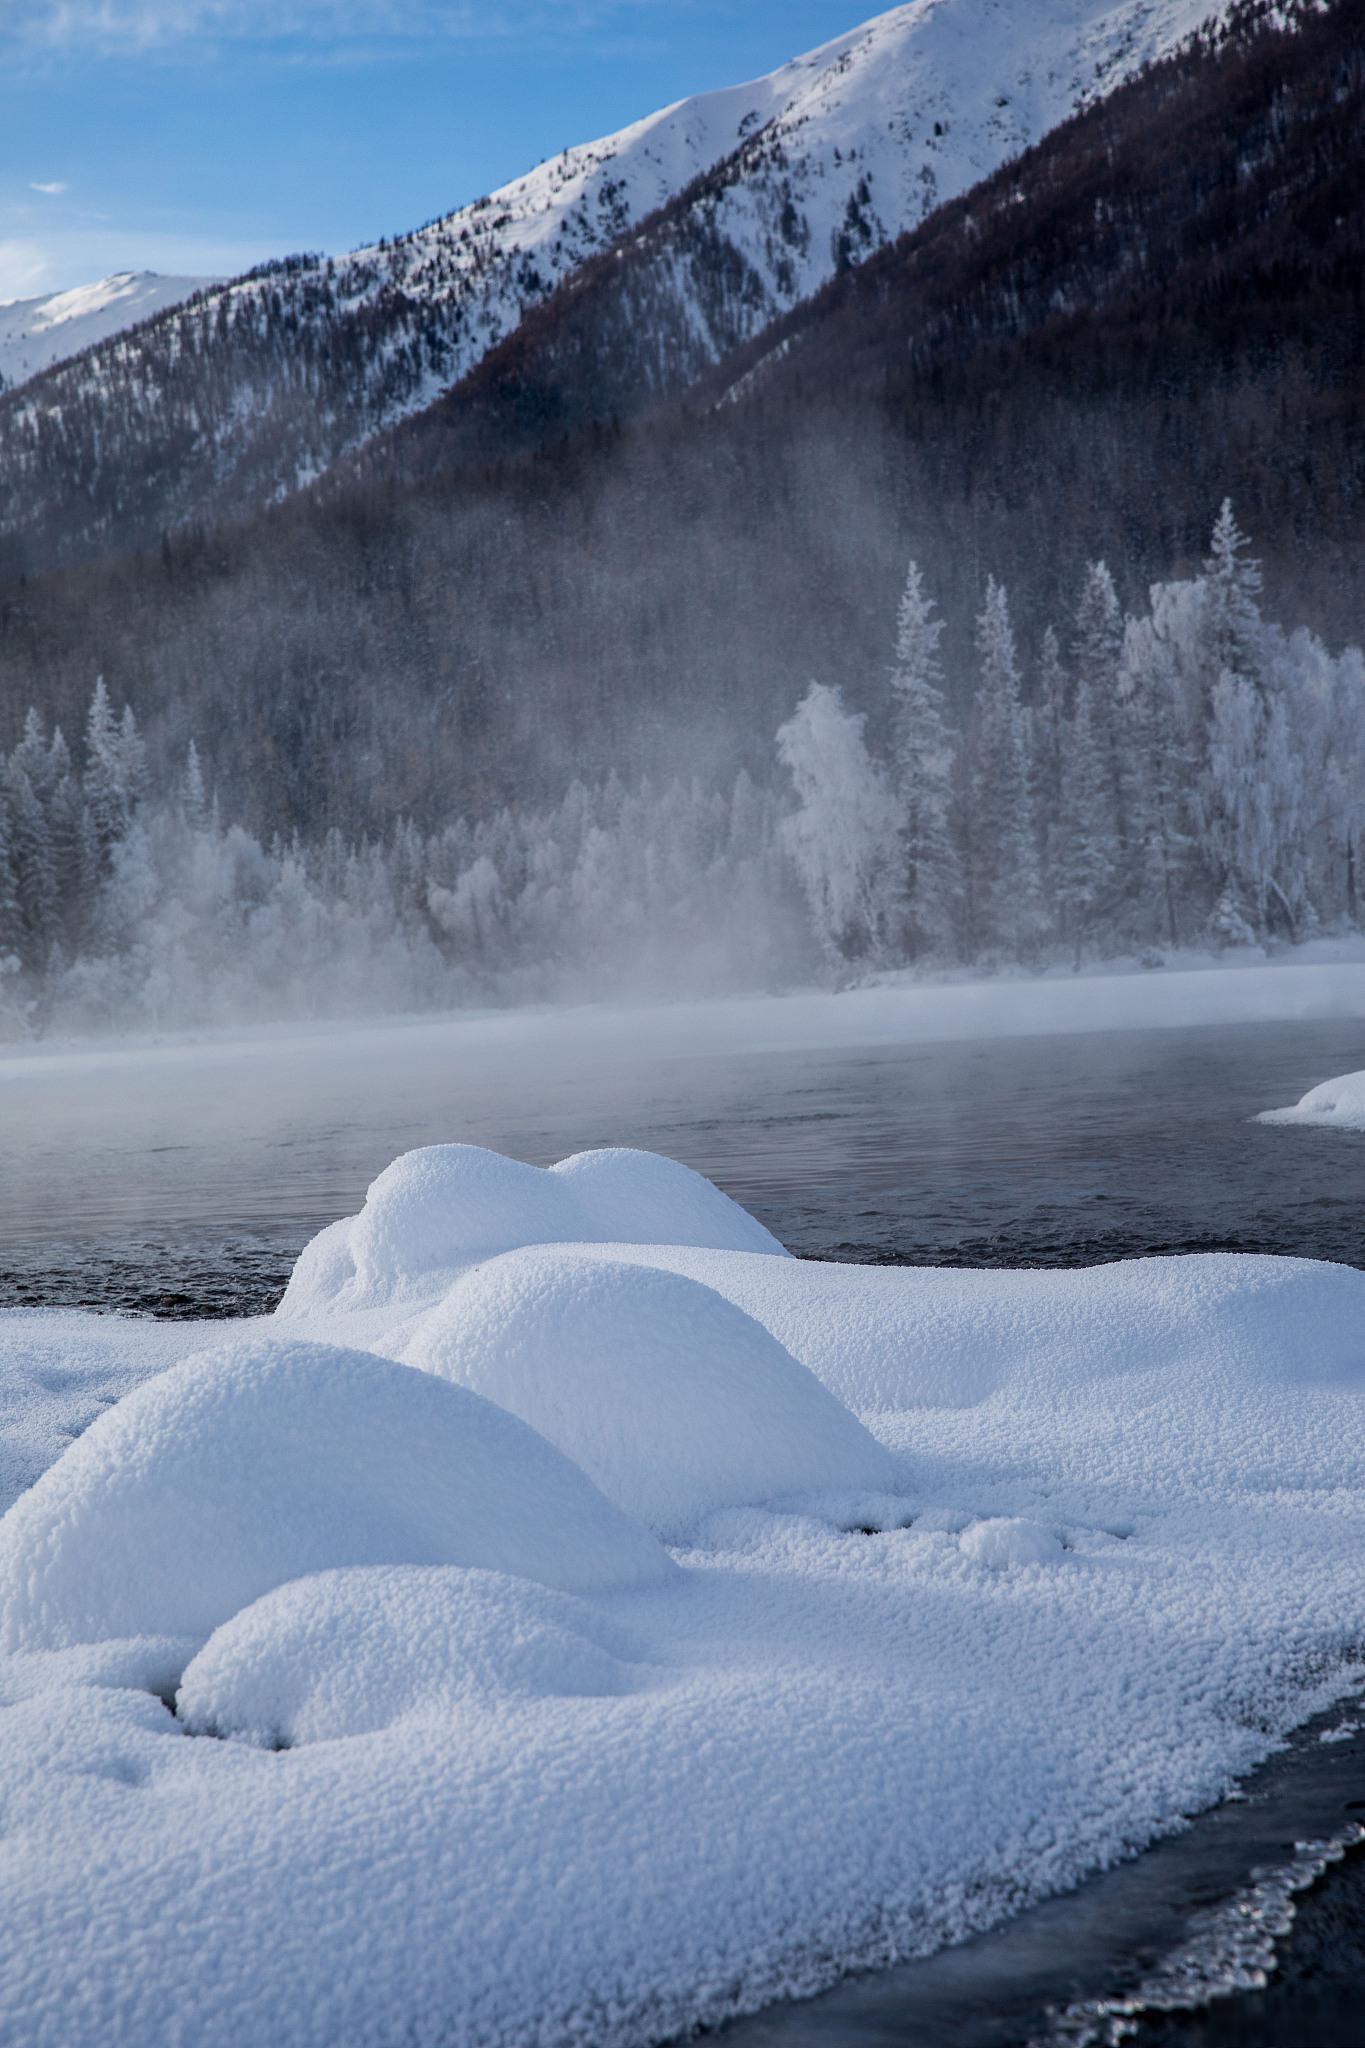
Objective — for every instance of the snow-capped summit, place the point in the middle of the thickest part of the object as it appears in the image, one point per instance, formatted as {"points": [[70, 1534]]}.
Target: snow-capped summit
{"points": [[35, 333], [771, 187], [802, 170]]}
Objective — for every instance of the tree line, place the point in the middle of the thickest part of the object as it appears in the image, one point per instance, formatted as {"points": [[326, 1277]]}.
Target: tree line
{"points": [[1186, 776]]}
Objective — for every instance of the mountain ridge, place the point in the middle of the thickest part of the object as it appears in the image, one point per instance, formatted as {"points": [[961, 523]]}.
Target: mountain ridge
{"points": [[36, 333], [254, 389]]}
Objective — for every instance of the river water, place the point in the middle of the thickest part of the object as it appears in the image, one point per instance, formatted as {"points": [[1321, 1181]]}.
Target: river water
{"points": [[184, 1180]]}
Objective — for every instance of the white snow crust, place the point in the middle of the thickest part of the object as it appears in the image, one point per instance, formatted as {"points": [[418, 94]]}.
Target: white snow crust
{"points": [[261, 1461], [351, 1652], [1340, 1102], [671, 1399], [439, 1209], [494, 1770]]}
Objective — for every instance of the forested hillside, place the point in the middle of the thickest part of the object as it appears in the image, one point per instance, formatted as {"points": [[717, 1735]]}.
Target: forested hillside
{"points": [[252, 391], [397, 681], [1181, 270]]}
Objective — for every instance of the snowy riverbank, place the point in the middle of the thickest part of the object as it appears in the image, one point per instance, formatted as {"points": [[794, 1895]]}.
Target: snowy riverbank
{"points": [[1321, 979], [831, 1614]]}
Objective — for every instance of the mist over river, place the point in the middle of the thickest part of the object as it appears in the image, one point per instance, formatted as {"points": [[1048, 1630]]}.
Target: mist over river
{"points": [[185, 1178]]}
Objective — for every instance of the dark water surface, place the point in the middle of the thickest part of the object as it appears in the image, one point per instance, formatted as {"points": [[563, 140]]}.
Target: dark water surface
{"points": [[186, 1183], [1169, 1950]]}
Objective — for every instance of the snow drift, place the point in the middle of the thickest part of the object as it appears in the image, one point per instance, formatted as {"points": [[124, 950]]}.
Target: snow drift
{"points": [[437, 1210], [670, 1398], [349, 1652], [256, 1463], [1098, 1542], [1340, 1102]]}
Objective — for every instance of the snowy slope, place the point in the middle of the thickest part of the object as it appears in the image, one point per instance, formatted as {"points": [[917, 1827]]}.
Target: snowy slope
{"points": [[35, 333], [263, 382]]}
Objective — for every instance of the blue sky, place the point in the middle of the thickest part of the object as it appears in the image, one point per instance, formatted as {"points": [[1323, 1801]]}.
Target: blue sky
{"points": [[197, 136]]}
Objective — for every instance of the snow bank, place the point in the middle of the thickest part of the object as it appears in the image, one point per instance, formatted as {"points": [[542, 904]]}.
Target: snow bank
{"points": [[673, 1401], [251, 1465], [1125, 1552], [435, 1211], [1218, 1336], [349, 1652], [1340, 1102]]}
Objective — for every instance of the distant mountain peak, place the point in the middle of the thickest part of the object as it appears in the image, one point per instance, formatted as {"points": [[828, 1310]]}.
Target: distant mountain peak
{"points": [[36, 333], [261, 384]]}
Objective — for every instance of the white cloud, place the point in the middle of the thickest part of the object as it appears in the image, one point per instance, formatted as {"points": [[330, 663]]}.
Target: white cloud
{"points": [[53, 188], [125, 26]]}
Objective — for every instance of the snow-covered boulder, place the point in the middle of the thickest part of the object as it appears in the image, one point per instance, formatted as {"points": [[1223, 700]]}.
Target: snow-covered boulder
{"points": [[255, 1463], [1340, 1102], [349, 1652], [672, 1399], [436, 1211]]}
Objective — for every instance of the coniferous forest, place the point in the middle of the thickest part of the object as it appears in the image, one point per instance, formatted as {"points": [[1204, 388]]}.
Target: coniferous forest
{"points": [[592, 678], [1189, 776]]}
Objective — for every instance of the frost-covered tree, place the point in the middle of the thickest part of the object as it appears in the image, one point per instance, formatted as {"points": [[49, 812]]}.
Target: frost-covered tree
{"points": [[11, 921], [35, 866], [923, 756], [842, 835], [1087, 849], [1161, 842], [1096, 654], [1004, 889], [1232, 611]]}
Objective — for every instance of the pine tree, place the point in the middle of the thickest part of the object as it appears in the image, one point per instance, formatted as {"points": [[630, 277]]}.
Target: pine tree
{"points": [[35, 868], [11, 921], [924, 749], [1048, 735], [1006, 909], [1162, 778], [104, 784], [1096, 653], [1087, 851], [1232, 582]]}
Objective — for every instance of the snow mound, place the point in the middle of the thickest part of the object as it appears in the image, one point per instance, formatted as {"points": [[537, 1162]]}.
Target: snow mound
{"points": [[255, 1463], [1340, 1102], [436, 1211], [1007, 1540], [674, 1401], [350, 1652], [1221, 1334]]}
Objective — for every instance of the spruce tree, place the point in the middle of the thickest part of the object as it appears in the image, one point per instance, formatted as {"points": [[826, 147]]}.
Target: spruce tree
{"points": [[1004, 882], [1087, 851], [923, 753], [1096, 654]]}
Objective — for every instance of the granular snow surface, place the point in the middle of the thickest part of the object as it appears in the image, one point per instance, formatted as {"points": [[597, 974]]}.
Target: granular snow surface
{"points": [[341, 1706]]}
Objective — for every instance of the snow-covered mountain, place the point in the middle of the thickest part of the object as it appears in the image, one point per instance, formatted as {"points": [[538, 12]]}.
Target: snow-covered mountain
{"points": [[35, 333], [257, 386]]}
